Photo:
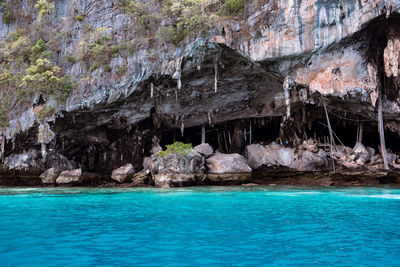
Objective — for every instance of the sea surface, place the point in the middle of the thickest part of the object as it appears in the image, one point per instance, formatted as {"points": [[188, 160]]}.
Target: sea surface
{"points": [[207, 226]]}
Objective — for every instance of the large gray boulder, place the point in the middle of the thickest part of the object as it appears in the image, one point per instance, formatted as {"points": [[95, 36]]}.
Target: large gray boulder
{"points": [[123, 173], [204, 149], [362, 153], [228, 169], [27, 159], [313, 161], [50, 176], [256, 155], [174, 170], [75, 177], [227, 163]]}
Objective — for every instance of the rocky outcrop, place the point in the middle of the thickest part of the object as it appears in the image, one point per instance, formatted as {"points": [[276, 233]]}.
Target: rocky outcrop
{"points": [[123, 173], [204, 149], [277, 60], [77, 177], [50, 176], [176, 170], [228, 169]]}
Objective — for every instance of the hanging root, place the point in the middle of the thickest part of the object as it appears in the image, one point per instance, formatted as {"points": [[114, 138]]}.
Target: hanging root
{"points": [[288, 84], [216, 76]]}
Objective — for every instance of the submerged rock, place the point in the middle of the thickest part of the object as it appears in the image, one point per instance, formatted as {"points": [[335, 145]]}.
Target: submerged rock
{"points": [[123, 173]]}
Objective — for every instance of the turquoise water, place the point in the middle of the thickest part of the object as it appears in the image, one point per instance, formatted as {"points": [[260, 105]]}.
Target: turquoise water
{"points": [[199, 226]]}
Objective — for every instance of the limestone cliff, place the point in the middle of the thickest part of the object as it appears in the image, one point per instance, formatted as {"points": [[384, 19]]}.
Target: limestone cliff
{"points": [[263, 69]]}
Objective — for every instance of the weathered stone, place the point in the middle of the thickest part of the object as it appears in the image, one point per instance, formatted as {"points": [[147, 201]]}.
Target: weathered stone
{"points": [[123, 173], [166, 180], [50, 176], [310, 145], [227, 163], [28, 159], [141, 177], [178, 169], [204, 149], [285, 156], [75, 177], [228, 178], [313, 161], [256, 155], [362, 153]]}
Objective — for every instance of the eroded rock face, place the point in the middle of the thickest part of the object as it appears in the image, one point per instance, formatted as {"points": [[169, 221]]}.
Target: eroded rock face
{"points": [[29, 159], [178, 169], [50, 176], [204, 149], [227, 163], [335, 49], [77, 177], [123, 173]]}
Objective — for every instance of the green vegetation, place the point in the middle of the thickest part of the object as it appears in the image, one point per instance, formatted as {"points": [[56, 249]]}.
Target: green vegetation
{"points": [[78, 17], [122, 69], [8, 14], [27, 69], [176, 148], [187, 17], [44, 8], [97, 49], [234, 6]]}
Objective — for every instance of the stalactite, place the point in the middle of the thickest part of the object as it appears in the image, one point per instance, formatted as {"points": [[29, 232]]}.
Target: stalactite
{"points": [[209, 118], [43, 152], [182, 127], [203, 134], [250, 134], [151, 90], [245, 134], [216, 76], [178, 72], [3, 145], [288, 84]]}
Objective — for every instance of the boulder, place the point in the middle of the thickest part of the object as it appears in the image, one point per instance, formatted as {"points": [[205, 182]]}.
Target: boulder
{"points": [[167, 180], [123, 173], [50, 176], [27, 159], [141, 177], [204, 149], [313, 161], [76, 176], [285, 156], [256, 155], [59, 162], [227, 163], [362, 153], [177, 169]]}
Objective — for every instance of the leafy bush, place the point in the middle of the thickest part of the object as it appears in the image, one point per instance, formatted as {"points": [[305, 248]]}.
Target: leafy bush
{"points": [[78, 17], [176, 148], [8, 14], [234, 6], [44, 8]]}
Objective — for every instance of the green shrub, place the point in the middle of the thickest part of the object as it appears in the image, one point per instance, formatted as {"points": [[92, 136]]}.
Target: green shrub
{"points": [[107, 68], [78, 17], [234, 6], [94, 66], [8, 14], [122, 69], [71, 59], [176, 148], [44, 8]]}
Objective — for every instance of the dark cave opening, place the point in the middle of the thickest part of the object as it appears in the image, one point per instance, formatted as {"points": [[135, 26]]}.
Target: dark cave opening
{"points": [[220, 136]]}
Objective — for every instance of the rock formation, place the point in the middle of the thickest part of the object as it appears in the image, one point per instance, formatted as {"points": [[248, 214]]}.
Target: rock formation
{"points": [[258, 76]]}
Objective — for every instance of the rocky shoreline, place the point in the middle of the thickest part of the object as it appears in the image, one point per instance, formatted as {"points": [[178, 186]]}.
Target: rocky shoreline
{"points": [[309, 164]]}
